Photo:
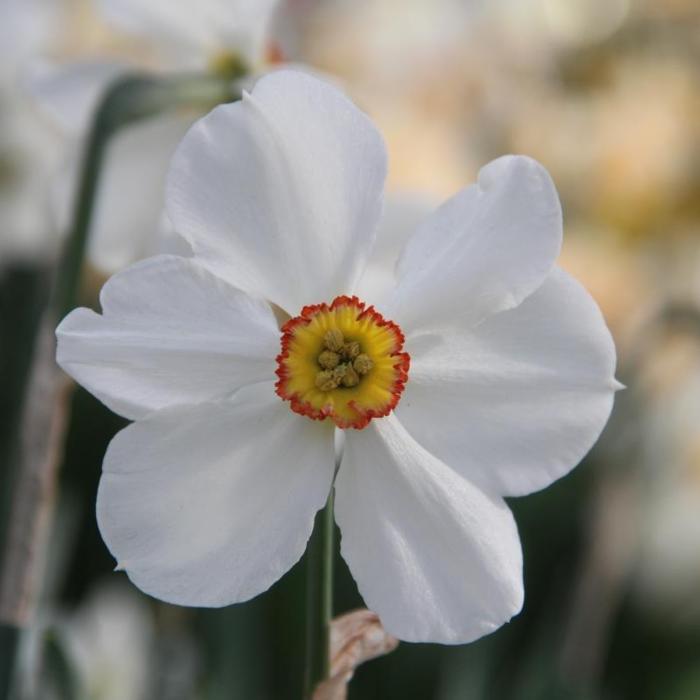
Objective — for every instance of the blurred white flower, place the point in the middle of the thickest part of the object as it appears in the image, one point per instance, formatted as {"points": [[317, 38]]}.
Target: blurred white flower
{"points": [[109, 639], [216, 35], [210, 496], [28, 146], [129, 223], [668, 573], [106, 643], [192, 35]]}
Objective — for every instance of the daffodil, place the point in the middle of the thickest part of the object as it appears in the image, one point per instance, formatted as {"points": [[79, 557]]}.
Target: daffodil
{"points": [[480, 370], [229, 38], [109, 639]]}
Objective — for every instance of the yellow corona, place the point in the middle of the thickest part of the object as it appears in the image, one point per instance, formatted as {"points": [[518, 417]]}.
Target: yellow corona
{"points": [[342, 361]]}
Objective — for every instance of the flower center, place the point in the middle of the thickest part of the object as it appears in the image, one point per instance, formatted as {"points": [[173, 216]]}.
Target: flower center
{"points": [[228, 64], [342, 361]]}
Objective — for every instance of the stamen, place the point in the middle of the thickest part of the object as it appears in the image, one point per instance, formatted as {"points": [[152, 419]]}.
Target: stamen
{"points": [[326, 381], [336, 373], [228, 64], [333, 340], [342, 361], [329, 359], [363, 364], [339, 373], [350, 377], [351, 350]]}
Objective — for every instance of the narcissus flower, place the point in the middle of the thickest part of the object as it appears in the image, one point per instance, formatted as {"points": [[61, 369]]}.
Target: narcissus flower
{"points": [[228, 37], [472, 370]]}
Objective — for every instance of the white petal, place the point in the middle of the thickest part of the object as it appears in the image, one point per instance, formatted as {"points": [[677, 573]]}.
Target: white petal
{"points": [[289, 26], [169, 25], [280, 193], [518, 401], [403, 213], [483, 251], [197, 30], [170, 334], [210, 505], [242, 25], [69, 94], [169, 241], [28, 27], [128, 220], [130, 198], [435, 557]]}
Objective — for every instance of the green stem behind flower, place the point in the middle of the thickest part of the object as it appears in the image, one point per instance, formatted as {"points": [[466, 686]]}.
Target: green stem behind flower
{"points": [[319, 599], [127, 100]]}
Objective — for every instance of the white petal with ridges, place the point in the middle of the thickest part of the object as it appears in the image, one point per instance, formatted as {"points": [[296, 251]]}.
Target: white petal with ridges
{"points": [[209, 505], [481, 252], [281, 193], [435, 557], [518, 401], [171, 333]]}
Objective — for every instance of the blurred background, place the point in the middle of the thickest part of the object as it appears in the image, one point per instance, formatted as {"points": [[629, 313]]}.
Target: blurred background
{"points": [[606, 94]]}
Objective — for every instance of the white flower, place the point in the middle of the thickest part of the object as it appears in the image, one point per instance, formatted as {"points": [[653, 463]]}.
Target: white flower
{"points": [[667, 566], [108, 643], [109, 639], [209, 497], [189, 35], [183, 36], [128, 222], [28, 147]]}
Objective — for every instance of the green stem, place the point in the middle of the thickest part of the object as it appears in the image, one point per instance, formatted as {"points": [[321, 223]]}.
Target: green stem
{"points": [[9, 642], [58, 667], [127, 100], [319, 599]]}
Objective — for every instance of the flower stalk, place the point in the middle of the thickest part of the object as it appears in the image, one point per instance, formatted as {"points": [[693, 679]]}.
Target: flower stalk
{"points": [[9, 641], [319, 599]]}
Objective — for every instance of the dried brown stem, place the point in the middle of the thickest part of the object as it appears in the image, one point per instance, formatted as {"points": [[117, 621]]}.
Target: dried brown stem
{"points": [[356, 637], [604, 570], [43, 425]]}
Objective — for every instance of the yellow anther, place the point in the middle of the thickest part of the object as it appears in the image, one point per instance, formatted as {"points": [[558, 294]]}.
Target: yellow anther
{"points": [[228, 64], [351, 350], [339, 373], [326, 381], [333, 340], [342, 363], [328, 359], [350, 378], [363, 364]]}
